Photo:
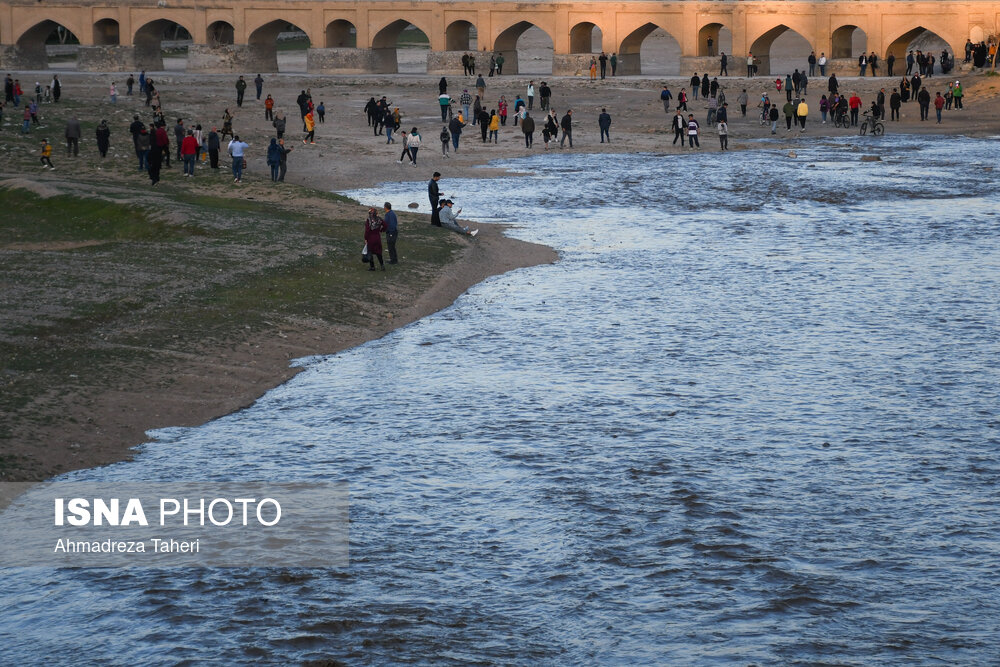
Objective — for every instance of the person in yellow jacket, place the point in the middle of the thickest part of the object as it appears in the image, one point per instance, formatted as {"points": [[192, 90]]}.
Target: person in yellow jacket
{"points": [[494, 127], [310, 129], [47, 154], [801, 112]]}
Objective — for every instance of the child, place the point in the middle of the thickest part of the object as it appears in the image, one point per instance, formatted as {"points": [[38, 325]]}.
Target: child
{"points": [[445, 139], [33, 108], [48, 93], [47, 155], [321, 112]]}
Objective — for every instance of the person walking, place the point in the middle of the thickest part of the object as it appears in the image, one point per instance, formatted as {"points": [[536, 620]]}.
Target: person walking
{"points": [[773, 115], [527, 127], [241, 87], [274, 159], [743, 100], [481, 87], [692, 131], [494, 125], [434, 194], [179, 132], [445, 140], [142, 148], [665, 97], [466, 101], [679, 125], [113, 93], [258, 82], [73, 134], [391, 231], [724, 65], [269, 108], [567, 128], [789, 111], [237, 149], [802, 112], [604, 123], [551, 129], [413, 143], [214, 143], [374, 226], [310, 137], [546, 93], [103, 136], [47, 155], [455, 128], [723, 135], [155, 155]]}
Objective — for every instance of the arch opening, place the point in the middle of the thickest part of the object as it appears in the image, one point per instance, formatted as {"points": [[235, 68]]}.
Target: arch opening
{"points": [[586, 38], [921, 40], [106, 33], [278, 46], [341, 34], [650, 50], [220, 33], [401, 47], [526, 49], [49, 45], [780, 50], [715, 39], [848, 41], [461, 36], [161, 45]]}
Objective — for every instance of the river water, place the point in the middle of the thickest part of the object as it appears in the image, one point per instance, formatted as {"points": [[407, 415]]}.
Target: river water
{"points": [[749, 418]]}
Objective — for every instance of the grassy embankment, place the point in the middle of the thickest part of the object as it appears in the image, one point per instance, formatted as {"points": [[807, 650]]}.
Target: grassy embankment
{"points": [[113, 282]]}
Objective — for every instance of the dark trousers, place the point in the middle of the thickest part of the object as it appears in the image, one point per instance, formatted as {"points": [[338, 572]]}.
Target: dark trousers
{"points": [[282, 168], [529, 138], [854, 117], [678, 134], [213, 157], [239, 98], [605, 133], [894, 113], [435, 213], [72, 146], [390, 240], [604, 69], [924, 111]]}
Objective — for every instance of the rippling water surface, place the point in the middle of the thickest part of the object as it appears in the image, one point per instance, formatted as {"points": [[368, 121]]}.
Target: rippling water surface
{"points": [[749, 417]]}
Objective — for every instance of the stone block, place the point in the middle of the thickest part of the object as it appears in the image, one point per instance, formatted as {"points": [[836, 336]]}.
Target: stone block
{"points": [[16, 58], [572, 64], [340, 61], [236, 58], [450, 62], [106, 59]]}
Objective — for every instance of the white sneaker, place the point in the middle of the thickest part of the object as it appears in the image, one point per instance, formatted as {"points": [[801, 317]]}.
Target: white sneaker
{"points": [[399, 162], [473, 232]]}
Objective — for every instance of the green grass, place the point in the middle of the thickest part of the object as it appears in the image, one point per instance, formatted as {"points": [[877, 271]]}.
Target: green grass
{"points": [[71, 219]]}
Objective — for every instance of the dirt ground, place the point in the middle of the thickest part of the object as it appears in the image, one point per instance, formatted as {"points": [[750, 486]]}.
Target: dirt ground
{"points": [[59, 420]]}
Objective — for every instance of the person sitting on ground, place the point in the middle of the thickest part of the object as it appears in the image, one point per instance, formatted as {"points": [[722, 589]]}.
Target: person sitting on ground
{"points": [[449, 218]]}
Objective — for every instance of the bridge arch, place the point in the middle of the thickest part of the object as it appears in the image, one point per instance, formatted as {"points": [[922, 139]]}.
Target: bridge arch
{"points": [[927, 40], [506, 43], [458, 36], [848, 41], [662, 54], [721, 36], [395, 35], [32, 40], [263, 43], [583, 35], [107, 32], [148, 41], [793, 40], [220, 33]]}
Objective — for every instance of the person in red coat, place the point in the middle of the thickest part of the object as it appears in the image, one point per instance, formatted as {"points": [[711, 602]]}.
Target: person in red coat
{"points": [[189, 152], [374, 226]]}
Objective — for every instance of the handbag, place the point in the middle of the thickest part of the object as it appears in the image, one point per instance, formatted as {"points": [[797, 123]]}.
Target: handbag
{"points": [[365, 257]]}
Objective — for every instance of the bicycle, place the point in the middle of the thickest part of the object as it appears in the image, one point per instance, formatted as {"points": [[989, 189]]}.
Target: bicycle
{"points": [[876, 127], [841, 119]]}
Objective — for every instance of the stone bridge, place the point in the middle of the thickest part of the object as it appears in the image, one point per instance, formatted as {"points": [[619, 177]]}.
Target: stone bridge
{"points": [[356, 37]]}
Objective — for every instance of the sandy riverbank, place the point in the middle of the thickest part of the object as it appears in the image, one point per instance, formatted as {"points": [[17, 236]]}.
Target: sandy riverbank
{"points": [[142, 365]]}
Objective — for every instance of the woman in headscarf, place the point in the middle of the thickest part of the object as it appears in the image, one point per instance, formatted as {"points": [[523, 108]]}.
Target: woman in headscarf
{"points": [[374, 226]]}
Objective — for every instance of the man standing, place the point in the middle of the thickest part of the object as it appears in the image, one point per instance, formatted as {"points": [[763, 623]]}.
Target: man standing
{"points": [[259, 82], [434, 194], [812, 63], [614, 64], [135, 128], [213, 148], [889, 62], [724, 66], [189, 151], [938, 105], [909, 63], [545, 93], [237, 149], [802, 112], [391, 231], [531, 95], [567, 127], [73, 133], [665, 98], [924, 100], [604, 122], [604, 65], [692, 132], [894, 102], [283, 164], [855, 104], [499, 64], [179, 133], [749, 65], [742, 100], [241, 86], [822, 64]]}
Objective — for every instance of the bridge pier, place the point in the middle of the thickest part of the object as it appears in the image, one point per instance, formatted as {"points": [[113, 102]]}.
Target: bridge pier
{"points": [[15, 57], [509, 62], [239, 58], [340, 61], [571, 64], [710, 64], [106, 59], [449, 62]]}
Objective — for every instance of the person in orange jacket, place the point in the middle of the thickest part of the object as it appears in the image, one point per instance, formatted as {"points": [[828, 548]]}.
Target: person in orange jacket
{"points": [[310, 128]]}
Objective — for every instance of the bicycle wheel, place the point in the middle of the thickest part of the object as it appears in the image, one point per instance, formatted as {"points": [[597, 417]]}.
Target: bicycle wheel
{"points": [[864, 128], [879, 129]]}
